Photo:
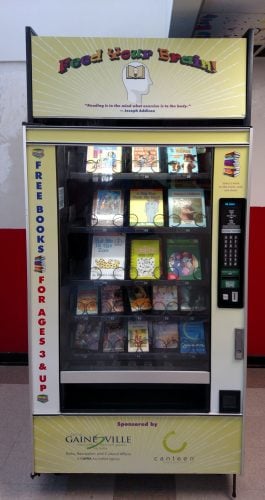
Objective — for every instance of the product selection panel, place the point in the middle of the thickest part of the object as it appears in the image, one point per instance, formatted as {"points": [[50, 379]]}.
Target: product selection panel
{"points": [[231, 252]]}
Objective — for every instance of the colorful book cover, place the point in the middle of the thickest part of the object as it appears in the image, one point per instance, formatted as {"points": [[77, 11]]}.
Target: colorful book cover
{"points": [[114, 336], [108, 257], [145, 159], [165, 298], [182, 159], [165, 335], [112, 299], [103, 159], [145, 259], [107, 208], [191, 299], [86, 301], [138, 336], [139, 298], [183, 259], [192, 337], [186, 208], [87, 335], [146, 207]]}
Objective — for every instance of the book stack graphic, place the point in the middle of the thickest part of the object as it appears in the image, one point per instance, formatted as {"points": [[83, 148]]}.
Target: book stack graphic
{"points": [[231, 164]]}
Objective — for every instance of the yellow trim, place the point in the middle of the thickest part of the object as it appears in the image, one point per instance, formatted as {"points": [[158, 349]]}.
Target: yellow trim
{"points": [[131, 136]]}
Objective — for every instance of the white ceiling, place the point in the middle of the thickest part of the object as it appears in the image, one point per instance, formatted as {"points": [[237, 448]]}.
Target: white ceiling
{"points": [[124, 18]]}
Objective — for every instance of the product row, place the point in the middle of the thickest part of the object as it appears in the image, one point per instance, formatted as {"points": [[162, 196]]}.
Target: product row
{"points": [[148, 207], [116, 299], [119, 256], [132, 336], [146, 159]]}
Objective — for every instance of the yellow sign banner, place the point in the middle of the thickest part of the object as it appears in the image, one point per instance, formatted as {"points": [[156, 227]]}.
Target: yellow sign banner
{"points": [[138, 444], [138, 78]]}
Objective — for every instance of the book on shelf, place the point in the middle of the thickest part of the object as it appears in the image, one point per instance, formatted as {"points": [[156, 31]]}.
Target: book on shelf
{"points": [[145, 259], [145, 159], [103, 159], [165, 335], [191, 299], [192, 337], [87, 334], [186, 208], [108, 257], [183, 259], [138, 336], [112, 299], [139, 298], [182, 159], [165, 298], [107, 209], [146, 207], [86, 300], [114, 336]]}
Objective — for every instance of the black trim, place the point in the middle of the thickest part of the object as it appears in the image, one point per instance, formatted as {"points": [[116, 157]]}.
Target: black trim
{"points": [[14, 358], [250, 50], [29, 34], [256, 362]]}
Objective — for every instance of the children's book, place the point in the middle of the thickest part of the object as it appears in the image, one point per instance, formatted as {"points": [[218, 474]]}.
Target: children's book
{"points": [[108, 257], [182, 159], [192, 337], [107, 208], [114, 336], [191, 299], [145, 259], [165, 335], [186, 208], [183, 259], [145, 159], [138, 336], [87, 335], [146, 207], [112, 299], [103, 159], [86, 301], [139, 298], [165, 298]]}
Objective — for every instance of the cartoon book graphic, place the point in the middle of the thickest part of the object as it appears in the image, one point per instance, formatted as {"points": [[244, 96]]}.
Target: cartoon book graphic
{"points": [[165, 335], [186, 208], [107, 208], [145, 159], [232, 164], [138, 337], [165, 298], [182, 159], [183, 259], [145, 259], [86, 301], [108, 257], [192, 337], [146, 207], [103, 159]]}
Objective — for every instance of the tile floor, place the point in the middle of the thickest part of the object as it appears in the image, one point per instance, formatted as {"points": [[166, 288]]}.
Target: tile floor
{"points": [[15, 458]]}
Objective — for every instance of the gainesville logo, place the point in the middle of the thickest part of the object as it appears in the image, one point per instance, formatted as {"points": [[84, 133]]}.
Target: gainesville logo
{"points": [[168, 443], [96, 440]]}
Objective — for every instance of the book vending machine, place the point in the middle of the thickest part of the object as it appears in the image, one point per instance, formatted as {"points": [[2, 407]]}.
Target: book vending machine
{"points": [[137, 230]]}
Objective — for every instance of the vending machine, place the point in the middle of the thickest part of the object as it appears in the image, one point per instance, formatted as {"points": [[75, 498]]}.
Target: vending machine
{"points": [[137, 167]]}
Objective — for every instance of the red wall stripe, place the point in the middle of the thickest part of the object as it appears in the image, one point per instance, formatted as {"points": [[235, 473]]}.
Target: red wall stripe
{"points": [[13, 290]]}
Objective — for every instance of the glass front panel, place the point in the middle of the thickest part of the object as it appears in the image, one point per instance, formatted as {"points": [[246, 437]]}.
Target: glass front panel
{"points": [[135, 253]]}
